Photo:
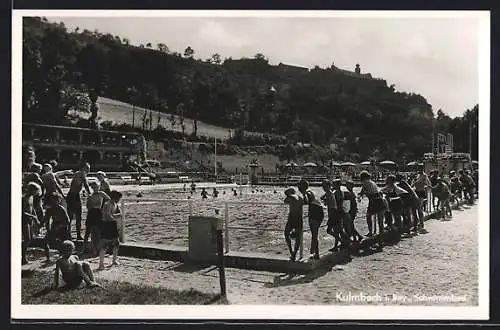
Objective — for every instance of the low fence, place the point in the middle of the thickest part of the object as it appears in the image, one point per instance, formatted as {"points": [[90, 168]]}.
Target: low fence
{"points": [[223, 209]]}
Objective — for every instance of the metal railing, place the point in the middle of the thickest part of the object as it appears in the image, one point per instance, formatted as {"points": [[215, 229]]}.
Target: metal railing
{"points": [[226, 218]]}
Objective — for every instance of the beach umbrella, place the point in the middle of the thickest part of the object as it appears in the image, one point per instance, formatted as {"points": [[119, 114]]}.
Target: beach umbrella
{"points": [[334, 163], [366, 163], [387, 162], [291, 164], [310, 164], [347, 164], [412, 164]]}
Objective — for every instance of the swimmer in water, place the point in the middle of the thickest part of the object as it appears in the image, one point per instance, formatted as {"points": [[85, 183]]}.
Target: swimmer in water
{"points": [[204, 193]]}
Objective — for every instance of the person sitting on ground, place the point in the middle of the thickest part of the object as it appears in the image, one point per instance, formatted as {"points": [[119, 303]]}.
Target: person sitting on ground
{"points": [[235, 193], [353, 208], [109, 228], [58, 230], [376, 205], [95, 203], [215, 193], [294, 224], [29, 217], [204, 193], [103, 183], [72, 269]]}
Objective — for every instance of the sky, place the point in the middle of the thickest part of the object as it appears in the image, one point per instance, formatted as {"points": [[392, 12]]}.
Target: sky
{"points": [[434, 57]]}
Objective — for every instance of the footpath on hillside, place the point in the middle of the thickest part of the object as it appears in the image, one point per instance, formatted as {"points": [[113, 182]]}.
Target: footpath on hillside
{"points": [[428, 268]]}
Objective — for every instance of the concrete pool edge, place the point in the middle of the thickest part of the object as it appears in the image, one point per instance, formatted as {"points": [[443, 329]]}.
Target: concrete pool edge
{"points": [[247, 260]]}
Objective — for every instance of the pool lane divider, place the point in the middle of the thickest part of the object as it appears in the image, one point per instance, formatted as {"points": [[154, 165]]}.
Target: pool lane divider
{"points": [[251, 260]]}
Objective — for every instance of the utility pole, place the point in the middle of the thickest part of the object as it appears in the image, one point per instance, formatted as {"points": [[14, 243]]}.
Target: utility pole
{"points": [[215, 160], [470, 137]]}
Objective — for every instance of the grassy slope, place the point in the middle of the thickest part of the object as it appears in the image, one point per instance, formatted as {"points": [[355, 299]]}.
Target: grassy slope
{"points": [[121, 112], [35, 289]]}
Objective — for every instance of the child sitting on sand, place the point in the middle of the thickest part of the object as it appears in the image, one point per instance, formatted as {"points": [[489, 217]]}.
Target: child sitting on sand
{"points": [[73, 270], [294, 223]]}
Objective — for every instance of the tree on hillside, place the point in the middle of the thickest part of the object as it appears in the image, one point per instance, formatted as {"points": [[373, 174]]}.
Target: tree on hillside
{"points": [[162, 48], [260, 56], [216, 59], [189, 52]]}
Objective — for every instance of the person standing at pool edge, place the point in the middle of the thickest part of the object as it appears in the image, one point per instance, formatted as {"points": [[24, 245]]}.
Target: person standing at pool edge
{"points": [[294, 225], [315, 216], [109, 228], [73, 200], [376, 206]]}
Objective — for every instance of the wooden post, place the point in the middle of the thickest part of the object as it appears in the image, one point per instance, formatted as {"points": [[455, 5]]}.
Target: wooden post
{"points": [[122, 227], [220, 263], [226, 229], [301, 249]]}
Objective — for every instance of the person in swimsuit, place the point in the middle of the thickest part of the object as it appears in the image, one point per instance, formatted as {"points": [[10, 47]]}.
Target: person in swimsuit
{"points": [[73, 200], [95, 202], [103, 183], [333, 222], [315, 216], [346, 225], [50, 183], [58, 230], [422, 184], [72, 269], [204, 193], [350, 195], [37, 200], [29, 217], [109, 228], [294, 224], [471, 186], [393, 195], [376, 206], [444, 197], [412, 201]]}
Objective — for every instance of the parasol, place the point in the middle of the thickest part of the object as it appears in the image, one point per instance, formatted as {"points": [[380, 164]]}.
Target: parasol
{"points": [[310, 164]]}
